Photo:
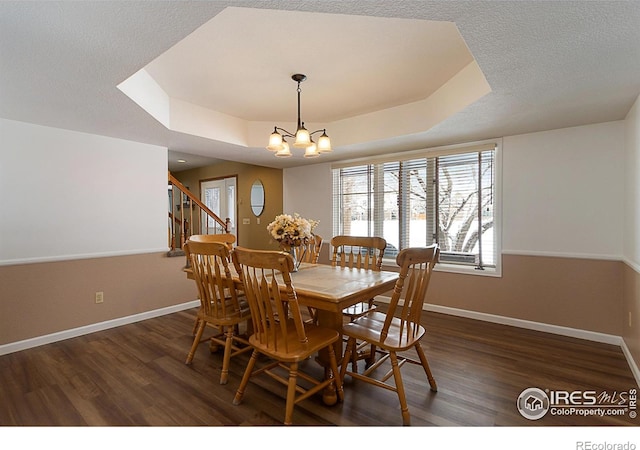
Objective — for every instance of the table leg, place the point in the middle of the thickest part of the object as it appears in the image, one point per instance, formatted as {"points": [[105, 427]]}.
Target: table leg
{"points": [[331, 320]]}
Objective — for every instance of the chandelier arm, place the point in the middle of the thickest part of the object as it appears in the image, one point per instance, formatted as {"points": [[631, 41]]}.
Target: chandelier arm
{"points": [[285, 132], [318, 131]]}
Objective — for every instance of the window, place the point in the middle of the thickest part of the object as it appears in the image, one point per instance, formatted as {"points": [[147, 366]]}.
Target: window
{"points": [[447, 197]]}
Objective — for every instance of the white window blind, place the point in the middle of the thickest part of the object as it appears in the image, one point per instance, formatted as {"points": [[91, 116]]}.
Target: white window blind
{"points": [[448, 198]]}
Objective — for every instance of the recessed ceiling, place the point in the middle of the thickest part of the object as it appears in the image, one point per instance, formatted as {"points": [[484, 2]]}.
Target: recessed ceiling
{"points": [[230, 80], [240, 63]]}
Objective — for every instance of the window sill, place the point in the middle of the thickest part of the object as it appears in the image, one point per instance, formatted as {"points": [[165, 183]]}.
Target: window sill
{"points": [[468, 270], [389, 264]]}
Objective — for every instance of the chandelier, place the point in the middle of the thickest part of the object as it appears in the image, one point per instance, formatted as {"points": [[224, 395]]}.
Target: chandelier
{"points": [[303, 139]]}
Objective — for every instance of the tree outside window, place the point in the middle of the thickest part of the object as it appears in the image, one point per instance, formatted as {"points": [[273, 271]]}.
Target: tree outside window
{"points": [[445, 199]]}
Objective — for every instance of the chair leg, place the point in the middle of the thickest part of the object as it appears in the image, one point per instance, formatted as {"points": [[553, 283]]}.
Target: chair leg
{"points": [[291, 393], [362, 352], [196, 323], [226, 358], [354, 360], [245, 378], [404, 408], [351, 343], [425, 366], [337, 380], [196, 341], [372, 356], [372, 348]]}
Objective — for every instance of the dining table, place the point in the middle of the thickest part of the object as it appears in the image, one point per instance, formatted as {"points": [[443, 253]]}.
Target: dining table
{"points": [[330, 289]]}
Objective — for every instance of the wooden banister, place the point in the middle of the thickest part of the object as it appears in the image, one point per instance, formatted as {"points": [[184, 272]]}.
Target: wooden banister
{"points": [[173, 180], [181, 225]]}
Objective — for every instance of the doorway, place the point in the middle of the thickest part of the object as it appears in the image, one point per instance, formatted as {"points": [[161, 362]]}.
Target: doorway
{"points": [[219, 196]]}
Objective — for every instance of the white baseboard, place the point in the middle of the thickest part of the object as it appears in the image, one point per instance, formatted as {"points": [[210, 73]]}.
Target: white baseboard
{"points": [[80, 331], [632, 364], [537, 326]]}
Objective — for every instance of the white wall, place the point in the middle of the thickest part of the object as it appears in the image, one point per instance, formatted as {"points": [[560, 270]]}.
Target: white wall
{"points": [[632, 187], [69, 195], [307, 190], [562, 192]]}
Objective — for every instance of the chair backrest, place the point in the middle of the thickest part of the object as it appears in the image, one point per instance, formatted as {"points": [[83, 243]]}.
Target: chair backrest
{"points": [[210, 265], [309, 252], [416, 265], [359, 252], [274, 311], [226, 238]]}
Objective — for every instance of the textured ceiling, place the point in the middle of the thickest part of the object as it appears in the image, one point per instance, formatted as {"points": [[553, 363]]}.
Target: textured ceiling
{"points": [[549, 65]]}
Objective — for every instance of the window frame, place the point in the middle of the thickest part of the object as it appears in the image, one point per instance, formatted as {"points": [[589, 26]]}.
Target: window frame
{"points": [[433, 152]]}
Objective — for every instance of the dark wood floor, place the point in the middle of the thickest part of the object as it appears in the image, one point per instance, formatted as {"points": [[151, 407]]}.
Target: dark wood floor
{"points": [[135, 375]]}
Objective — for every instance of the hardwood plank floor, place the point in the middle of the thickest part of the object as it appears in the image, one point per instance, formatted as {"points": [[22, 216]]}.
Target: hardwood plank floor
{"points": [[135, 375]]}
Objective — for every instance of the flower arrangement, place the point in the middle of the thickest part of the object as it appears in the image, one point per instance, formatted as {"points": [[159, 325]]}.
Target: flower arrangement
{"points": [[291, 230]]}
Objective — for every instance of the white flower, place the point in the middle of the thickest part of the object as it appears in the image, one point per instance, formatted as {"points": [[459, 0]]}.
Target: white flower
{"points": [[291, 230]]}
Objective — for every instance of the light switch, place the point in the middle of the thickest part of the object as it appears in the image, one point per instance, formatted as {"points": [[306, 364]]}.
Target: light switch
{"points": [[246, 221]]}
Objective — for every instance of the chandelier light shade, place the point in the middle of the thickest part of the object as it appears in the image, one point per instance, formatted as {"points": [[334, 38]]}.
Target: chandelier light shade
{"points": [[283, 151], [302, 138]]}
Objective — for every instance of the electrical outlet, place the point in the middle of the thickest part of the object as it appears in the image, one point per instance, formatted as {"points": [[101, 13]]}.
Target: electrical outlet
{"points": [[99, 297], [246, 221]]}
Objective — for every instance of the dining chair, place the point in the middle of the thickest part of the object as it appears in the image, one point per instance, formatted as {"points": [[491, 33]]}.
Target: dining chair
{"points": [[399, 329], [220, 305], [226, 238], [359, 252], [310, 253], [278, 330]]}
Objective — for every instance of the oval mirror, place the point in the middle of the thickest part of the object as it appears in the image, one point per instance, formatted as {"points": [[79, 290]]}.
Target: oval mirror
{"points": [[257, 197]]}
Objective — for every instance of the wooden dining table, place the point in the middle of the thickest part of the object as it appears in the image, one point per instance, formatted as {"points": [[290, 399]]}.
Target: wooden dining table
{"points": [[329, 290]]}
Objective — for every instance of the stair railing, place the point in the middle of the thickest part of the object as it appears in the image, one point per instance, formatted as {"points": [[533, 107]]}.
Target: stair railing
{"points": [[188, 215]]}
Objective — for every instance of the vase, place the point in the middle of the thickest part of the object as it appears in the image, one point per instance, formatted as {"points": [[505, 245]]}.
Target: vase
{"points": [[291, 249]]}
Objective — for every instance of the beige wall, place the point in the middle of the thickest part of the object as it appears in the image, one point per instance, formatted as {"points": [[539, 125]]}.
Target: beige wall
{"points": [[584, 294], [253, 235], [44, 298], [581, 294]]}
